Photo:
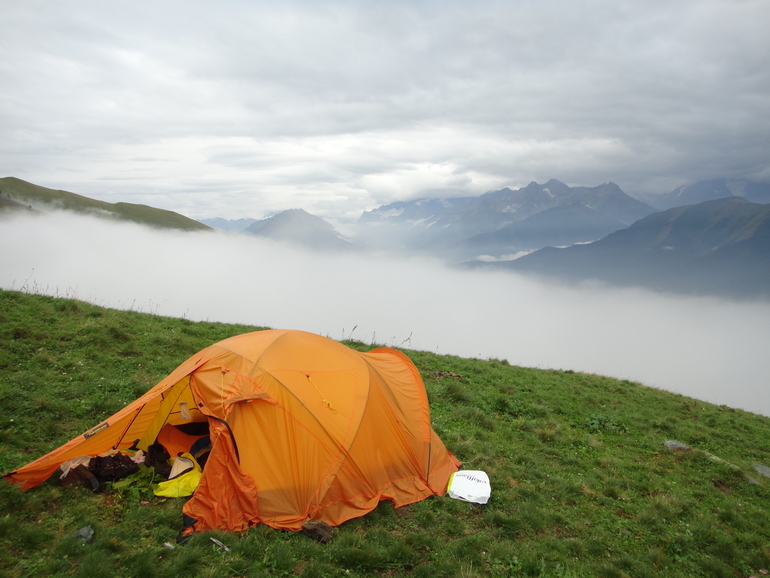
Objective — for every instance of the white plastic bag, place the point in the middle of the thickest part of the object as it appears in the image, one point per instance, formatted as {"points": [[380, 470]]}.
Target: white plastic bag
{"points": [[72, 464], [470, 486]]}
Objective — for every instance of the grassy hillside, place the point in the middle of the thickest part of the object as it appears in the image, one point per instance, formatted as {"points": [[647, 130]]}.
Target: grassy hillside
{"points": [[582, 483], [15, 193]]}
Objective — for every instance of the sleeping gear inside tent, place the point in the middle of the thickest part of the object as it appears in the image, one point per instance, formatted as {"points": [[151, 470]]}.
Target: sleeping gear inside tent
{"points": [[299, 428]]}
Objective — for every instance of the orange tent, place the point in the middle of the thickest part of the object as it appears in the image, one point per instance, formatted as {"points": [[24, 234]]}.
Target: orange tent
{"points": [[302, 428]]}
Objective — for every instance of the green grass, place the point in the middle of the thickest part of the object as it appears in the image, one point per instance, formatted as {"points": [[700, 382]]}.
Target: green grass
{"points": [[16, 193], [582, 484]]}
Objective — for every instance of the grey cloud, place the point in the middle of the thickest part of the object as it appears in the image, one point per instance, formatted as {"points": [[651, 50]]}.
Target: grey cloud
{"points": [[675, 91]]}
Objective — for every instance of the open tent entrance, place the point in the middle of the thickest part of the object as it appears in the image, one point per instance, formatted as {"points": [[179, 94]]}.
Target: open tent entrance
{"points": [[177, 407], [178, 412]]}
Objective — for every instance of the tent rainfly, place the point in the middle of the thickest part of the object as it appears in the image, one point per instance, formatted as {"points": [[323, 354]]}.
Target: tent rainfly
{"points": [[302, 428]]}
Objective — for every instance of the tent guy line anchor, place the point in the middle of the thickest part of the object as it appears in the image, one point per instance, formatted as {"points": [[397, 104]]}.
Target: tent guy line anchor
{"points": [[324, 401]]}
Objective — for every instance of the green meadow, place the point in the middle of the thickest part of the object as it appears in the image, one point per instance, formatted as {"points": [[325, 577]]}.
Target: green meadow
{"points": [[16, 195], [582, 483]]}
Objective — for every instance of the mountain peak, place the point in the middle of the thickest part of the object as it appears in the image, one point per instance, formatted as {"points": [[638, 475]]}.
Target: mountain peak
{"points": [[299, 227]]}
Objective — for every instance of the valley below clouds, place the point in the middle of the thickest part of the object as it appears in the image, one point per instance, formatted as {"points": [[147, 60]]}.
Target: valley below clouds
{"points": [[707, 348]]}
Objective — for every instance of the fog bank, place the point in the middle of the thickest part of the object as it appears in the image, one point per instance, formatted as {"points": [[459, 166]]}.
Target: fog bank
{"points": [[706, 348]]}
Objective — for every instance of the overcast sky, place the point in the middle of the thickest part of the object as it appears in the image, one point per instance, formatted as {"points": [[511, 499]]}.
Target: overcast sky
{"points": [[245, 108]]}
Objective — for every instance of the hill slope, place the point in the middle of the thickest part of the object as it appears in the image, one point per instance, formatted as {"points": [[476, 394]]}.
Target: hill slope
{"points": [[582, 484], [24, 194], [719, 247]]}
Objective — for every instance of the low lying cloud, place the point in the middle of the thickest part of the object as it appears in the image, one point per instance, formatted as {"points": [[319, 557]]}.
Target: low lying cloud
{"points": [[706, 348]]}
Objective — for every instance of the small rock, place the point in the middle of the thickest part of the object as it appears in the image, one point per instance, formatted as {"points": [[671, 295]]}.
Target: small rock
{"points": [[85, 534], [762, 470], [320, 531], [676, 446]]}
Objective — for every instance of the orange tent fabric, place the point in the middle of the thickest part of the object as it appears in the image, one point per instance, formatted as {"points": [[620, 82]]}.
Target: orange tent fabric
{"points": [[175, 441], [302, 428]]}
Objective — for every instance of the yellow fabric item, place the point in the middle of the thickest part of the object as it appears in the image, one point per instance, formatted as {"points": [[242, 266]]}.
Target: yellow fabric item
{"points": [[169, 411], [182, 485], [302, 428]]}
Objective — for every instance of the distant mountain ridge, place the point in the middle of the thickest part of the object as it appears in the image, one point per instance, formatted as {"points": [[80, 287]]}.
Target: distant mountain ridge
{"points": [[712, 190], [300, 227], [583, 215], [17, 194], [717, 247], [555, 227], [720, 246], [498, 222], [228, 225]]}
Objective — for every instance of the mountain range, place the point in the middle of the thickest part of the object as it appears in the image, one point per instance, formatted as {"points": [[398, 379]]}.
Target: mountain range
{"points": [[719, 247], [507, 221], [715, 240]]}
